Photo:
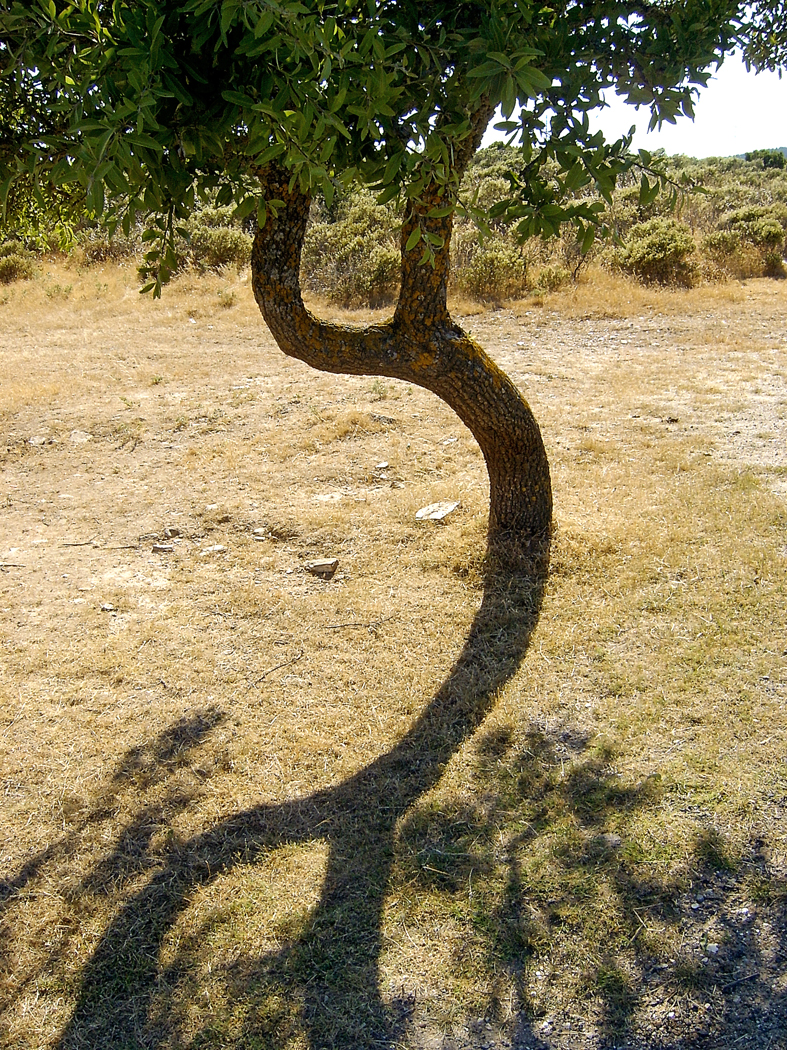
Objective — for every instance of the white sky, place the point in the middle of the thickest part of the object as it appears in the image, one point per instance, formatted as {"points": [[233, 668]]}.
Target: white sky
{"points": [[737, 112]]}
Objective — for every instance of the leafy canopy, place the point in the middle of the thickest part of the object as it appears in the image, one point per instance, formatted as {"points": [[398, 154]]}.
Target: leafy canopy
{"points": [[146, 106]]}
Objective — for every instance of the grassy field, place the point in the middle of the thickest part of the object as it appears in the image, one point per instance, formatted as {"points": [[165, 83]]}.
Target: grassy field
{"points": [[247, 807]]}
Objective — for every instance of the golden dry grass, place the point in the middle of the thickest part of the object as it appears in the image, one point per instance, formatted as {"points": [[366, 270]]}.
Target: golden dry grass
{"points": [[604, 858]]}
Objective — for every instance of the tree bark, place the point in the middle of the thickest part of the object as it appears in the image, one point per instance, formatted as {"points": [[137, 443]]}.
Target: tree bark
{"points": [[420, 344]]}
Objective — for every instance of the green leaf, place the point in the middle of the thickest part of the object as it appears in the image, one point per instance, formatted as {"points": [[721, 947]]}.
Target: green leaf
{"points": [[413, 239], [486, 69], [228, 11], [140, 138], [276, 149], [588, 238], [245, 208], [392, 168], [237, 98], [387, 194]]}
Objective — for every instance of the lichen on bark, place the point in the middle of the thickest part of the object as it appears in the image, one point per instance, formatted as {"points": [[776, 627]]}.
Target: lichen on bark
{"points": [[420, 344]]}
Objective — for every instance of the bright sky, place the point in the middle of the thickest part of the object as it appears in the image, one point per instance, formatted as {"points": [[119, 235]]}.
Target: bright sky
{"points": [[737, 112]]}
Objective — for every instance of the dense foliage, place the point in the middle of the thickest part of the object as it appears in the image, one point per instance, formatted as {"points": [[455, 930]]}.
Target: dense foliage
{"points": [[733, 224], [153, 106]]}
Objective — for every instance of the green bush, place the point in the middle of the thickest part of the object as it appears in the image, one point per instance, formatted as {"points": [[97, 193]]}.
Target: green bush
{"points": [[771, 158], [351, 253], [214, 247], [551, 278], [763, 227], [773, 264], [352, 250], [16, 263], [750, 241], [660, 251], [98, 247], [493, 271]]}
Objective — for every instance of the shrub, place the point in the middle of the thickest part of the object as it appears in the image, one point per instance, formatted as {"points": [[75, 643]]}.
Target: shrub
{"points": [[762, 227], [214, 247], [497, 270], [773, 265], [724, 256], [551, 278], [659, 251], [351, 253], [16, 263], [491, 269], [750, 241], [98, 247], [771, 158]]}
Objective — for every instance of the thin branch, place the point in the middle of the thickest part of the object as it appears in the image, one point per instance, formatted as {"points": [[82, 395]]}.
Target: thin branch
{"points": [[278, 667], [335, 626]]}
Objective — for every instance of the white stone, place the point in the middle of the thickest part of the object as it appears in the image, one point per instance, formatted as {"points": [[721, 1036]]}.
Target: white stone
{"points": [[324, 567], [436, 511]]}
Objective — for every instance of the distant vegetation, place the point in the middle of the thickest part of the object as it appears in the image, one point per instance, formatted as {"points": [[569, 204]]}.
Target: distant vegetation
{"points": [[732, 224]]}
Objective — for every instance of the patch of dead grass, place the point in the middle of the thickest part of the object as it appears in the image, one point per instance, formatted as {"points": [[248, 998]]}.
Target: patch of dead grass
{"points": [[632, 764]]}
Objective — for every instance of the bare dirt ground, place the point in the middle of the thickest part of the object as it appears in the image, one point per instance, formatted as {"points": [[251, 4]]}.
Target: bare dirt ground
{"points": [[167, 662]]}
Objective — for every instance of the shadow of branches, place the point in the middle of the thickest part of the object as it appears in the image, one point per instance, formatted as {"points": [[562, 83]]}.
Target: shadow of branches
{"points": [[331, 968], [540, 858], [599, 945]]}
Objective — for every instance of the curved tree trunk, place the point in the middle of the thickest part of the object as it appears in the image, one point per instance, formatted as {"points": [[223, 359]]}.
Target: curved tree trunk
{"points": [[421, 344]]}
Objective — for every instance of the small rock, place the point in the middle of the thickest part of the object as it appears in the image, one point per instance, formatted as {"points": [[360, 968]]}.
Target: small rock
{"points": [[322, 567], [712, 949], [612, 841], [381, 466], [217, 548], [171, 531], [108, 607], [80, 437], [436, 511], [163, 548]]}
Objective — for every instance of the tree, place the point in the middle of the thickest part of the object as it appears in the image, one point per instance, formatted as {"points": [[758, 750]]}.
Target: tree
{"points": [[148, 106]]}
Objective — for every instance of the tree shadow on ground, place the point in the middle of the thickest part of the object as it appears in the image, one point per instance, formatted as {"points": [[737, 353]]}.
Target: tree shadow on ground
{"points": [[694, 959], [553, 785], [331, 968]]}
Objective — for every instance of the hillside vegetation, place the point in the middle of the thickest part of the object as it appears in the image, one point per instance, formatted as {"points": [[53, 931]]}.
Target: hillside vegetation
{"points": [[730, 223]]}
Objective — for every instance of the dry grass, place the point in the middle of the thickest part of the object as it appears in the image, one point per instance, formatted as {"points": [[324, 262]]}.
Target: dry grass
{"points": [[192, 852]]}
